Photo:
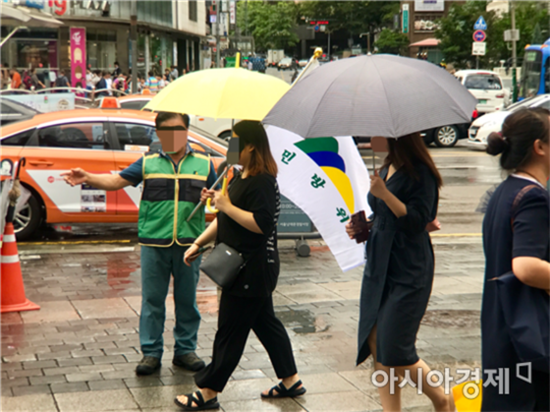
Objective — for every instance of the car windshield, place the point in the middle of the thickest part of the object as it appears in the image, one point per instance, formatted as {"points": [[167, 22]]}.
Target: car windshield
{"points": [[285, 60], [483, 82]]}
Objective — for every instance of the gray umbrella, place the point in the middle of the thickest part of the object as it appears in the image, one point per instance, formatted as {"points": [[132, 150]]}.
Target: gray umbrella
{"points": [[380, 95]]}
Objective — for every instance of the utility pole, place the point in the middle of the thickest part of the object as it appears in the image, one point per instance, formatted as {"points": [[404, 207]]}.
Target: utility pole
{"points": [[514, 53], [218, 18], [328, 47], [133, 37]]}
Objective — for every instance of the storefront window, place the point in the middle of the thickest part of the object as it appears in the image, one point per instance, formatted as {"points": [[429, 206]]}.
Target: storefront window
{"points": [[156, 12], [31, 47], [101, 49]]}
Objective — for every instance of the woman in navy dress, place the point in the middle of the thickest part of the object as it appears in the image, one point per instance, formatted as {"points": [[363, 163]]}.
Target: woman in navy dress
{"points": [[398, 277], [515, 238]]}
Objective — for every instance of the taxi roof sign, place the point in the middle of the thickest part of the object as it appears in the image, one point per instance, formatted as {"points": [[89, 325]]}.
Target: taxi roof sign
{"points": [[109, 103]]}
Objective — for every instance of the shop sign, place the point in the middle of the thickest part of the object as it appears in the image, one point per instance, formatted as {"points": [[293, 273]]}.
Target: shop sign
{"points": [[59, 6], [78, 57], [429, 5]]}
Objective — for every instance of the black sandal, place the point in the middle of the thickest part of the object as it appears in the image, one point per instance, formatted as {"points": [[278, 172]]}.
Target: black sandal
{"points": [[280, 391], [199, 401]]}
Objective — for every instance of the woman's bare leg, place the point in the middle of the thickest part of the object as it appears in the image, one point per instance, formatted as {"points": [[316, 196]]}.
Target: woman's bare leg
{"points": [[391, 402], [441, 401]]}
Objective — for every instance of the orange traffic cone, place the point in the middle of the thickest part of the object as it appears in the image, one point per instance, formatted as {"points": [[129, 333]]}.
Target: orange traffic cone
{"points": [[13, 291]]}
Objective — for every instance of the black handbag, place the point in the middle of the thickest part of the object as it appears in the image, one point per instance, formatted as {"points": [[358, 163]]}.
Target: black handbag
{"points": [[223, 265]]}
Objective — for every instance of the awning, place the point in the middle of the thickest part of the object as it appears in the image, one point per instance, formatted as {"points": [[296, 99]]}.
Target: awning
{"points": [[431, 42], [24, 16]]}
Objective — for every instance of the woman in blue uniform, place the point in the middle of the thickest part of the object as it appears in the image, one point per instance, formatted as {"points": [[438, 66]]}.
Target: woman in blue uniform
{"points": [[516, 238], [398, 277]]}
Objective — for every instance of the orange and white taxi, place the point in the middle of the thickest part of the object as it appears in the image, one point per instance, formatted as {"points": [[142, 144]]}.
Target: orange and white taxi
{"points": [[99, 141]]}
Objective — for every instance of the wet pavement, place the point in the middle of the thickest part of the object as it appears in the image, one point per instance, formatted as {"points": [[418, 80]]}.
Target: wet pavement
{"points": [[78, 353]]}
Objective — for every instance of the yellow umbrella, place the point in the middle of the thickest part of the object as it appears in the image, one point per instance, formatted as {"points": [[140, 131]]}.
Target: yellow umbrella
{"points": [[231, 93]]}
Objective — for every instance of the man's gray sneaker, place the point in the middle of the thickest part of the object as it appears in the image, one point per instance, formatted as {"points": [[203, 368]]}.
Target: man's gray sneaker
{"points": [[189, 361], [148, 365]]}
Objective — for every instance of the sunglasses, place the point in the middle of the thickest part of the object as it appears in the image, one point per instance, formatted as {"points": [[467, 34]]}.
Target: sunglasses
{"points": [[171, 128]]}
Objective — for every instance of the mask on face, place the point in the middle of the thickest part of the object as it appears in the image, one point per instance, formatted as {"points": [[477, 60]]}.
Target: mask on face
{"points": [[172, 139]]}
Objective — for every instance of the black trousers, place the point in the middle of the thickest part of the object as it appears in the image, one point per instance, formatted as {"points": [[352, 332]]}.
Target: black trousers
{"points": [[237, 316]]}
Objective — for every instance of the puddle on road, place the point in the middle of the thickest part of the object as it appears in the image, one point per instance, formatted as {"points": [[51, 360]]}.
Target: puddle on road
{"points": [[439, 318], [302, 321]]}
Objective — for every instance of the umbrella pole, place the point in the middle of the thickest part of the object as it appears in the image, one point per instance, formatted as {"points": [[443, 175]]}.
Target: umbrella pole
{"points": [[197, 207], [220, 178], [373, 163]]}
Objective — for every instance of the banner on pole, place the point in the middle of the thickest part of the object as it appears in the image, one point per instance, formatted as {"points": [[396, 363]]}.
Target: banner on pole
{"points": [[328, 180], [78, 57]]}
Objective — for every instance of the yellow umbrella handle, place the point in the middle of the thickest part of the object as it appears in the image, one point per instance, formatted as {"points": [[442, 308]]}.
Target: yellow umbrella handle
{"points": [[209, 201]]}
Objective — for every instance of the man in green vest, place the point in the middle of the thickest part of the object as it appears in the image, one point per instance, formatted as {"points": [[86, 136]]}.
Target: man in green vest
{"points": [[174, 181]]}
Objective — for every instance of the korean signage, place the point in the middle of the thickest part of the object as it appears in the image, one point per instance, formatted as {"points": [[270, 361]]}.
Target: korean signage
{"points": [[232, 12], [429, 5], [479, 48], [78, 57]]}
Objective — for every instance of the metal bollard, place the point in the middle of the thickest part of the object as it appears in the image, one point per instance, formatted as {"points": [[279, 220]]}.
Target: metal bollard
{"points": [[302, 248]]}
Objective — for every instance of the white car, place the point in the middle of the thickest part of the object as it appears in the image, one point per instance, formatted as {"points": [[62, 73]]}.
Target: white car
{"points": [[482, 127], [487, 88]]}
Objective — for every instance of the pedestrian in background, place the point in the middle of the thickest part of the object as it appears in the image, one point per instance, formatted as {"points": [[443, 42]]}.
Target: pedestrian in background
{"points": [[515, 238], [4, 76], [247, 222], [102, 85], [36, 83], [400, 267], [152, 83], [174, 73], [62, 81], [116, 71], [15, 78], [165, 235], [120, 83]]}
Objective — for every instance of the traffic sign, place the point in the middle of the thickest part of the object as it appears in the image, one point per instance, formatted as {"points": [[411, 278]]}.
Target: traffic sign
{"points": [[479, 48], [480, 24], [479, 36], [511, 35], [316, 28]]}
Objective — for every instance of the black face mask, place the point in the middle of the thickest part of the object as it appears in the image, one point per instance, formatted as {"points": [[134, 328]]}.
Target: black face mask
{"points": [[163, 128]]}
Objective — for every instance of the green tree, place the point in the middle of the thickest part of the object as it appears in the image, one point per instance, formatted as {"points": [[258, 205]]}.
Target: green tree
{"points": [[456, 31], [270, 23], [356, 17], [392, 42], [537, 35]]}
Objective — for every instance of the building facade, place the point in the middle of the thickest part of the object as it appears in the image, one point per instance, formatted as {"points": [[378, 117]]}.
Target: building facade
{"points": [[170, 32], [419, 20]]}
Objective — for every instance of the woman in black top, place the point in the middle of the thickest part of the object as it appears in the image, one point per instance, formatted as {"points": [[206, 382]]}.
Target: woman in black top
{"points": [[400, 268], [516, 238], [247, 221]]}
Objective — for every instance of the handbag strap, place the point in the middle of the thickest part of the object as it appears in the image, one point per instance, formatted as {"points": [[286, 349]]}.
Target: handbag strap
{"points": [[517, 199]]}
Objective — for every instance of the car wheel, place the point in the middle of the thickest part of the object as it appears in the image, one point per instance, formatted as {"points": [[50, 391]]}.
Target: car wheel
{"points": [[446, 136], [27, 221], [225, 136]]}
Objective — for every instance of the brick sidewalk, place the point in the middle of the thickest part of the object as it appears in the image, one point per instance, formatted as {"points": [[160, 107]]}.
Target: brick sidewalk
{"points": [[80, 350]]}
